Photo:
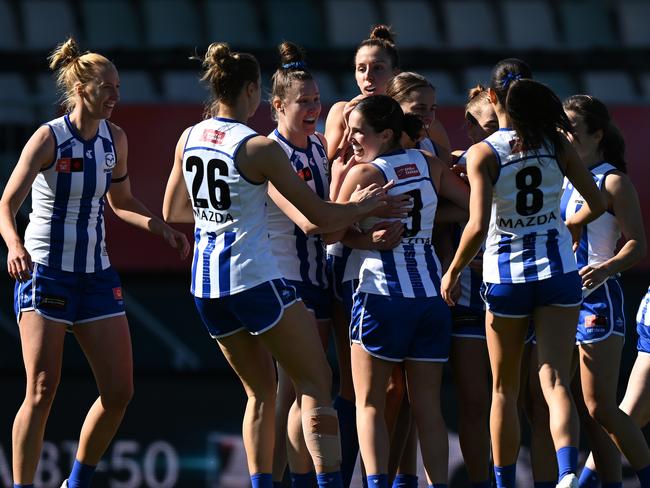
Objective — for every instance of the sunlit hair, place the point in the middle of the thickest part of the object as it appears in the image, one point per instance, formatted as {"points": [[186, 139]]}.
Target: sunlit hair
{"points": [[72, 66], [595, 115], [227, 73], [476, 96], [382, 36], [402, 85], [292, 67]]}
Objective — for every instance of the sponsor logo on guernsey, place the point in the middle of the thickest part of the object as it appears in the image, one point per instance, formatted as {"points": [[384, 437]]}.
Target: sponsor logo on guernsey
{"points": [[117, 293], [407, 171], [596, 321], [532, 221], [212, 216], [69, 165], [305, 174], [213, 136]]}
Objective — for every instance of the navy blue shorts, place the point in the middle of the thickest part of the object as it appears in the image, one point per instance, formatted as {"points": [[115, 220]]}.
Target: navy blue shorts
{"points": [[317, 300], [521, 299], [255, 310], [70, 297], [348, 289], [467, 323], [398, 329], [602, 314]]}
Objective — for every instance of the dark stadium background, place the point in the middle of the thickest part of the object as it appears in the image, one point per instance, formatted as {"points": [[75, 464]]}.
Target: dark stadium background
{"points": [[183, 425]]}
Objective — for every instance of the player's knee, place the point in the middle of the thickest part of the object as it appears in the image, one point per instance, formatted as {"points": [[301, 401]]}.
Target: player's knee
{"points": [[474, 409], [42, 391], [117, 398], [321, 430], [602, 412]]}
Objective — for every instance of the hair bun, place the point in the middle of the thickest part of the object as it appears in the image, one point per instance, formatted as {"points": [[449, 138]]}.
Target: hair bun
{"points": [[65, 53], [382, 32], [218, 54], [292, 54]]}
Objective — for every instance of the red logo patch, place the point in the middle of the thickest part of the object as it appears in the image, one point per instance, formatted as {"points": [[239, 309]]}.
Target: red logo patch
{"points": [[407, 171], [212, 136], [305, 174], [69, 165], [117, 293], [596, 321]]}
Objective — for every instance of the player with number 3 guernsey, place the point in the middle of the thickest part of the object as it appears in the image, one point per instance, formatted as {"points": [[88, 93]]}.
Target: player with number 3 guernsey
{"points": [[516, 178], [219, 181]]}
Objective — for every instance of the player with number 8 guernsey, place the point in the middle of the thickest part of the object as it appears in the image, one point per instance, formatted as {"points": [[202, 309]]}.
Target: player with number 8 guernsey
{"points": [[516, 178]]}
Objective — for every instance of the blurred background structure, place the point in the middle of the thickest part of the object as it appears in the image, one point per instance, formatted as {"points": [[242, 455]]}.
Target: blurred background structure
{"points": [[186, 399]]}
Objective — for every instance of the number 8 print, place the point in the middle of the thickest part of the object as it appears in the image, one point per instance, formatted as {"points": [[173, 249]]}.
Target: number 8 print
{"points": [[529, 187]]}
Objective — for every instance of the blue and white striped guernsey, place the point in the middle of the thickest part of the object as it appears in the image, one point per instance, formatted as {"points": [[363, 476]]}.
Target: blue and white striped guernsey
{"points": [[232, 251], [599, 238], [643, 315], [300, 257], [470, 280], [527, 240], [66, 225], [412, 269]]}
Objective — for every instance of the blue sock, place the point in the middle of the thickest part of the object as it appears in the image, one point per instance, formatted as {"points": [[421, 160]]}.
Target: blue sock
{"points": [[377, 480], [615, 484], [262, 480], [482, 484], [81, 475], [347, 413], [545, 484], [364, 482], [303, 480], [17, 485], [329, 480], [405, 481], [588, 478], [505, 475], [644, 476], [567, 461]]}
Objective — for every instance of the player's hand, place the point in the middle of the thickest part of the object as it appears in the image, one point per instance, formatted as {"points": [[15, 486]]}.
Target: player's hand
{"points": [[398, 207], [576, 233], [19, 263], [448, 287], [386, 235], [592, 276], [349, 107], [340, 165], [177, 240]]}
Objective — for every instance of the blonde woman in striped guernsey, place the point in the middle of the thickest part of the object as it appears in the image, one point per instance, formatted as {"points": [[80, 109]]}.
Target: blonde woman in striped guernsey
{"points": [[64, 279]]}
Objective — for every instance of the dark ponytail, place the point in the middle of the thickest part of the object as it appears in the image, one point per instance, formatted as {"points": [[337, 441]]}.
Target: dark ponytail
{"points": [[595, 115], [537, 115], [505, 73]]}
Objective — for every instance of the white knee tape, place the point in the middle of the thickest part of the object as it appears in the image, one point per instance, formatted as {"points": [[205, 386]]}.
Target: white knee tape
{"points": [[321, 430]]}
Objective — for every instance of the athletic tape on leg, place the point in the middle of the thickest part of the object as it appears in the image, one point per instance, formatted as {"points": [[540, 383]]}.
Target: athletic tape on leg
{"points": [[321, 430]]}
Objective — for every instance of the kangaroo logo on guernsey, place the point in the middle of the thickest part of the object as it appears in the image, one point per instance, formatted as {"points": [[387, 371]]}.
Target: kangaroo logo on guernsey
{"points": [[109, 162], [89, 154]]}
